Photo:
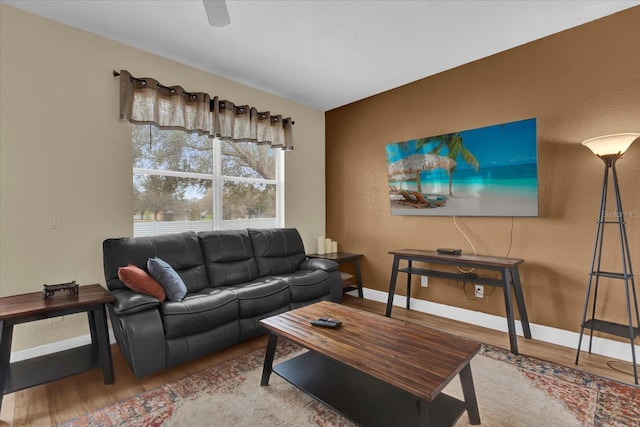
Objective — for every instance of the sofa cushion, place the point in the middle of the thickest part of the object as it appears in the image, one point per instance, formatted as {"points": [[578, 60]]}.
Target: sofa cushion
{"points": [[168, 278], [180, 250], [199, 312], [139, 280], [277, 251], [260, 297], [228, 257], [257, 300]]}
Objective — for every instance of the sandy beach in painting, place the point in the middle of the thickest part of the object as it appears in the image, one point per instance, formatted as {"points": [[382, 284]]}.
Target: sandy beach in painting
{"points": [[468, 201]]}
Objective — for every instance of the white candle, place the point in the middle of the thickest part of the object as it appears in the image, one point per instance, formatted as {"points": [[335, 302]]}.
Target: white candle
{"points": [[334, 246], [327, 246], [320, 249]]}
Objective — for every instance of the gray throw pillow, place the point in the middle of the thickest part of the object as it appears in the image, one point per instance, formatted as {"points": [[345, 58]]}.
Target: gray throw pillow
{"points": [[168, 278]]}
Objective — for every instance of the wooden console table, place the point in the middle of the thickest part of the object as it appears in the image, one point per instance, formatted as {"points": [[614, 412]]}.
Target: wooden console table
{"points": [[29, 307], [340, 258], [509, 280]]}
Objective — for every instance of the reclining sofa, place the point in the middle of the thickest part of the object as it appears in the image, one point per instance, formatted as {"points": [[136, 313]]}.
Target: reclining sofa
{"points": [[233, 279]]}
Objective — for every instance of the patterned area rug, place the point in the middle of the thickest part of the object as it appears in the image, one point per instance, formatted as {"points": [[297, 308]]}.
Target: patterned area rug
{"points": [[511, 390]]}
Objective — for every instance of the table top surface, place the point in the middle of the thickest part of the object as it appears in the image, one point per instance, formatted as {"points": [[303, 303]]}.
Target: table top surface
{"points": [[336, 256], [416, 359], [463, 258], [32, 303]]}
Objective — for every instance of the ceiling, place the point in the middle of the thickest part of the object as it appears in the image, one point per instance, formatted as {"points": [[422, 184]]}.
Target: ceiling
{"points": [[323, 53]]}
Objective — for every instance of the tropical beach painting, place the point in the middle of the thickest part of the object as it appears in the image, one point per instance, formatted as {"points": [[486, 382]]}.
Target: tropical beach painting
{"points": [[489, 171]]}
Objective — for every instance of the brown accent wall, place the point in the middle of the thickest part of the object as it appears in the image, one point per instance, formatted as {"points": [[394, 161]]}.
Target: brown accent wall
{"points": [[580, 83]]}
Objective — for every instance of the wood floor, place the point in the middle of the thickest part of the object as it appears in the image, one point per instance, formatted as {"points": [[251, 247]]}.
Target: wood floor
{"points": [[59, 401]]}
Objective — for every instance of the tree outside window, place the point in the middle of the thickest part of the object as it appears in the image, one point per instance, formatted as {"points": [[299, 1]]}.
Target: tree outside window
{"points": [[185, 181]]}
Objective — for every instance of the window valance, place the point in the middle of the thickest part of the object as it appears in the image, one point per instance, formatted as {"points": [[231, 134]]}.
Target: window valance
{"points": [[146, 101]]}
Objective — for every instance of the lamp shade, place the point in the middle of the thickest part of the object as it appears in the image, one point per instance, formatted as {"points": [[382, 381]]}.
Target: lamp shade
{"points": [[611, 144]]}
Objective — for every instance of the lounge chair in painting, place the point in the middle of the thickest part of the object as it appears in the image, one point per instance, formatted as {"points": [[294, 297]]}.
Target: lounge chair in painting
{"points": [[433, 203], [393, 189], [407, 199], [410, 200]]}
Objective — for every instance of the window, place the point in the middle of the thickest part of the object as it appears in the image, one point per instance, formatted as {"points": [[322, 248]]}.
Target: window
{"points": [[184, 181]]}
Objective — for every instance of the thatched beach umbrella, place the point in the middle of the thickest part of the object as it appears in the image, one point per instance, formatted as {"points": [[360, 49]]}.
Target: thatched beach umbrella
{"points": [[417, 163]]}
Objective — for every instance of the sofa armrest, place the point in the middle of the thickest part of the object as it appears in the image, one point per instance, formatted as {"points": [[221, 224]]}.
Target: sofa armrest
{"points": [[319, 264], [128, 302], [140, 335]]}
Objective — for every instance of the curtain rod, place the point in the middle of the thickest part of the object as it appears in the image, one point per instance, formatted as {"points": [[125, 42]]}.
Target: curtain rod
{"points": [[117, 74], [144, 82]]}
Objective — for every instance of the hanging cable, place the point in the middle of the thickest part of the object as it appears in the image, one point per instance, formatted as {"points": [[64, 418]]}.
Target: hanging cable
{"points": [[510, 239], [460, 269]]}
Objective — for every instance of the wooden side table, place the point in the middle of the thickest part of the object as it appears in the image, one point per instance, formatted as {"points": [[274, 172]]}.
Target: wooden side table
{"points": [[39, 370], [341, 258]]}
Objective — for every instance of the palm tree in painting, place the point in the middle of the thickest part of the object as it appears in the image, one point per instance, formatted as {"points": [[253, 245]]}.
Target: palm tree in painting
{"points": [[454, 146]]}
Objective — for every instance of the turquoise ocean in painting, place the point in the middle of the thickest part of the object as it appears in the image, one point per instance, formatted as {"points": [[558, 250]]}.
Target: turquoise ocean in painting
{"points": [[498, 178]]}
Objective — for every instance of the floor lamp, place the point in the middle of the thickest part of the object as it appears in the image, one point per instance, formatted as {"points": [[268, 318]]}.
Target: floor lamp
{"points": [[610, 149]]}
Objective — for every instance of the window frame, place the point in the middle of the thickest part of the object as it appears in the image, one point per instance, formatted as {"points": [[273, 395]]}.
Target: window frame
{"points": [[218, 180]]}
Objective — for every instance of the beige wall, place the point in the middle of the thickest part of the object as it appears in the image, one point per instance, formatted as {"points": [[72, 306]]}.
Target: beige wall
{"points": [[581, 83], [64, 153]]}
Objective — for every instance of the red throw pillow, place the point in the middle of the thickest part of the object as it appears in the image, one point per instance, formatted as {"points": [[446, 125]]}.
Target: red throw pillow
{"points": [[139, 280]]}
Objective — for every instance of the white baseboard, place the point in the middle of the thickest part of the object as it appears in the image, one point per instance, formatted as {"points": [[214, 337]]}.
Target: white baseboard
{"points": [[602, 346], [55, 347]]}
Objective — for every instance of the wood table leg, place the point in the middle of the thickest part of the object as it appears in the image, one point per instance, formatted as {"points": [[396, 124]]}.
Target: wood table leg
{"points": [[409, 287], [358, 278], [392, 285], [268, 359], [469, 393], [6, 335], [100, 337], [511, 324], [522, 308]]}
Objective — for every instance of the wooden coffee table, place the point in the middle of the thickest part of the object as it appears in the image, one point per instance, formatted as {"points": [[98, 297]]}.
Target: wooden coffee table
{"points": [[375, 370]]}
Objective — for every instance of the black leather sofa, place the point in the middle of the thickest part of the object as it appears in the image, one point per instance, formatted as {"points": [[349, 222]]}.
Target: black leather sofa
{"points": [[233, 279]]}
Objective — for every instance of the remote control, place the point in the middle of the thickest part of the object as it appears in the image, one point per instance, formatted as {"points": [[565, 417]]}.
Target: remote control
{"points": [[328, 319], [325, 324]]}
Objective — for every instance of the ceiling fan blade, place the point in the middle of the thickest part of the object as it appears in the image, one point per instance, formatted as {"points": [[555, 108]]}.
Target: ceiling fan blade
{"points": [[217, 12]]}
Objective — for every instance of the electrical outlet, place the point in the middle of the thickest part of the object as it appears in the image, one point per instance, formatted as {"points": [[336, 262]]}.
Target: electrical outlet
{"points": [[479, 291], [424, 281]]}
